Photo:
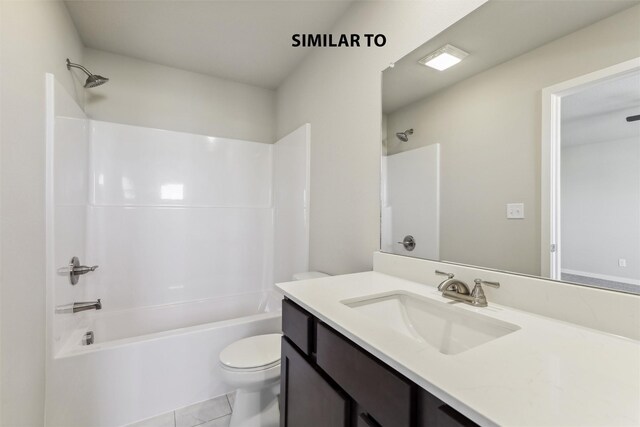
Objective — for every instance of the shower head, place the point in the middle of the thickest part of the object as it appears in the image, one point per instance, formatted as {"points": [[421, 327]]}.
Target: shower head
{"points": [[93, 80], [404, 136]]}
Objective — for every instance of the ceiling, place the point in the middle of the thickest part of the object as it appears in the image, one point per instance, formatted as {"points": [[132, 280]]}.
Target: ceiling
{"points": [[244, 41], [492, 34], [599, 113]]}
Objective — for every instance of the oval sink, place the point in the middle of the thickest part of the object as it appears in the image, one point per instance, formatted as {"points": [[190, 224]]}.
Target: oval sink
{"points": [[449, 329]]}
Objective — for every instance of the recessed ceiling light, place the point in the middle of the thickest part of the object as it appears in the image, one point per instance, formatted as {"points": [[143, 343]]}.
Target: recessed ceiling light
{"points": [[443, 58]]}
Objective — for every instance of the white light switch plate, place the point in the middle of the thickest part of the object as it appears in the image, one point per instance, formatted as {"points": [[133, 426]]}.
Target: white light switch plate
{"points": [[515, 210]]}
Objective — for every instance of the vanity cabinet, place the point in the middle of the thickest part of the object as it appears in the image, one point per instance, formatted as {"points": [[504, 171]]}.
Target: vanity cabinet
{"points": [[329, 381], [310, 399]]}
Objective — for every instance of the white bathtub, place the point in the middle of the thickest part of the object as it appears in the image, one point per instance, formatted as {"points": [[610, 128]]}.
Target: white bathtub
{"points": [[151, 360]]}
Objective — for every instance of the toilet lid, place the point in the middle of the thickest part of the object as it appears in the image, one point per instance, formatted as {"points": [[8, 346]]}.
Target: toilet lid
{"points": [[253, 352]]}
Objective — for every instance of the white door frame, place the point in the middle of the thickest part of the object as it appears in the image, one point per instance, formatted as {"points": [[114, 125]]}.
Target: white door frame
{"points": [[550, 165]]}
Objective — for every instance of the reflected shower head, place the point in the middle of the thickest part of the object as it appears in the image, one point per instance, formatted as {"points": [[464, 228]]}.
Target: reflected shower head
{"points": [[93, 80], [404, 136]]}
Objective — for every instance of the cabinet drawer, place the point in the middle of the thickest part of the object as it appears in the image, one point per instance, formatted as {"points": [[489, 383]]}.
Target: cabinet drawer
{"points": [[307, 400], [433, 412], [382, 393], [297, 325]]}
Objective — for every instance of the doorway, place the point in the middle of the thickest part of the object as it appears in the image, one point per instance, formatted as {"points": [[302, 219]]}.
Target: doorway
{"points": [[591, 179]]}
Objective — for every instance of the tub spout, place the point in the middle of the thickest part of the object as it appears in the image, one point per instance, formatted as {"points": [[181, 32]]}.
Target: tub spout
{"points": [[79, 306]]}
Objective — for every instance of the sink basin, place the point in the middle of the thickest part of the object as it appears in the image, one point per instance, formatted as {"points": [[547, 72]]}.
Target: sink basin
{"points": [[449, 329]]}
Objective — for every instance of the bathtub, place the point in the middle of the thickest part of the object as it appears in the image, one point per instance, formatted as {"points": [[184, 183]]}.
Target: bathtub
{"points": [[151, 360]]}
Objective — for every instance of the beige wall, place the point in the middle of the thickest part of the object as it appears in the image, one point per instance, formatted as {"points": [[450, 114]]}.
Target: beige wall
{"points": [[147, 94], [338, 92], [36, 37], [609, 170], [488, 127]]}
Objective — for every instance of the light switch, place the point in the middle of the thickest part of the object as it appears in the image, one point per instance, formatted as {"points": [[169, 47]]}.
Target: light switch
{"points": [[515, 210], [622, 262]]}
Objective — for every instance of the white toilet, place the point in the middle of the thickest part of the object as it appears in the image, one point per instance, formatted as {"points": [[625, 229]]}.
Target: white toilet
{"points": [[252, 367]]}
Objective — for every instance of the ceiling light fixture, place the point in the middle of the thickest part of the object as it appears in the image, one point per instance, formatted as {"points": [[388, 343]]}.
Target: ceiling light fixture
{"points": [[443, 58]]}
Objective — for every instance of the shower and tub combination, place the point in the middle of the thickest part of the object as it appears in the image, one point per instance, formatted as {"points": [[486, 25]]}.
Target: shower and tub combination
{"points": [[179, 238]]}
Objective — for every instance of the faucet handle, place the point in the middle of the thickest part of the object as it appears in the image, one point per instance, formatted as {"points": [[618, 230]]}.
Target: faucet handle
{"points": [[479, 282], [442, 273], [76, 270]]}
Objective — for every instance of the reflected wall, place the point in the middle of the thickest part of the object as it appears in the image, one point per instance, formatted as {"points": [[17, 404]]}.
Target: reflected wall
{"points": [[488, 126]]}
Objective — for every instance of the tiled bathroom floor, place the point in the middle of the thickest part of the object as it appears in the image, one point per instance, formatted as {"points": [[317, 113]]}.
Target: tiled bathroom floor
{"points": [[210, 413]]}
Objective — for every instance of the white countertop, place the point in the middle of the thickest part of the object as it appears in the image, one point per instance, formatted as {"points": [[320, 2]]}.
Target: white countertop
{"points": [[548, 373]]}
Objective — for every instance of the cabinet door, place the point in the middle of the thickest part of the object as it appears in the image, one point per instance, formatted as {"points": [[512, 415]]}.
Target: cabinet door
{"points": [[307, 400], [383, 396]]}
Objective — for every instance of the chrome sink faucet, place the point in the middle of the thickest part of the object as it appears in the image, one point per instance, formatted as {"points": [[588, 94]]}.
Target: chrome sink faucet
{"points": [[479, 299], [458, 290], [452, 285]]}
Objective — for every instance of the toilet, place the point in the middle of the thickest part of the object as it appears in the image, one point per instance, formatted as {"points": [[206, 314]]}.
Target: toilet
{"points": [[252, 367]]}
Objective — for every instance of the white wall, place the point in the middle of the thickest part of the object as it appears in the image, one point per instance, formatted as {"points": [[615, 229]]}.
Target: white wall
{"points": [[146, 94], [36, 38], [338, 92], [601, 208], [492, 157]]}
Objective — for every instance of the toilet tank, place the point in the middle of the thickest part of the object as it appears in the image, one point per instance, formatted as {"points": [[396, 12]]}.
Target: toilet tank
{"points": [[309, 275]]}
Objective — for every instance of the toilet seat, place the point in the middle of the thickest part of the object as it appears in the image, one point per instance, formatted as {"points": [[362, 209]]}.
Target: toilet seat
{"points": [[256, 353]]}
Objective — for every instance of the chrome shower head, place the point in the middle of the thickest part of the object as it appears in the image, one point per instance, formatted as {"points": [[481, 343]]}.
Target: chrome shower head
{"points": [[404, 136], [93, 80]]}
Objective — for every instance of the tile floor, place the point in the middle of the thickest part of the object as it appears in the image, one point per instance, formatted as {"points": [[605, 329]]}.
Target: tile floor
{"points": [[210, 413]]}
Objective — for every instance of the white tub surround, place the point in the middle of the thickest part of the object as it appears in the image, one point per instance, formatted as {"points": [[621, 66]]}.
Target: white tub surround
{"points": [[177, 217], [411, 201], [547, 373], [183, 228], [291, 191], [67, 179], [170, 217]]}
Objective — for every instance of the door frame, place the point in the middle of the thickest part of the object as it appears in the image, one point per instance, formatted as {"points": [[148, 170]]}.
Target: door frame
{"points": [[550, 211]]}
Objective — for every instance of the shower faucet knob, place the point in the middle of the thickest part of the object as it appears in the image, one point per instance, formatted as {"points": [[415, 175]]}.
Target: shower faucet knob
{"points": [[76, 270], [408, 242]]}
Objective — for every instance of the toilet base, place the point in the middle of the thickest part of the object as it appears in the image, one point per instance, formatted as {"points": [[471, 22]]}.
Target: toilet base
{"points": [[256, 408]]}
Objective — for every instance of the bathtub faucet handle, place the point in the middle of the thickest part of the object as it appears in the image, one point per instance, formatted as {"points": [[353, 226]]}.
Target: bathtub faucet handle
{"points": [[83, 269], [76, 270]]}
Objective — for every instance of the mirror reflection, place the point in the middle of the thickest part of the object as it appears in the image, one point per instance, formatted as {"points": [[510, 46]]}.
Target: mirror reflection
{"points": [[511, 141]]}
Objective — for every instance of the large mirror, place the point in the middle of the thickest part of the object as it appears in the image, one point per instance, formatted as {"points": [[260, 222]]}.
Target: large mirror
{"points": [[511, 141]]}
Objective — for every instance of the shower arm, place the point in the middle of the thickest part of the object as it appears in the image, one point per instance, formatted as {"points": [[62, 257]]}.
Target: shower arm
{"points": [[71, 64]]}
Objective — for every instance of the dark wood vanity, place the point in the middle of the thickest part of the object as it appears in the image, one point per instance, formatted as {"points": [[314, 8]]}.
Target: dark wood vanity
{"points": [[329, 381]]}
